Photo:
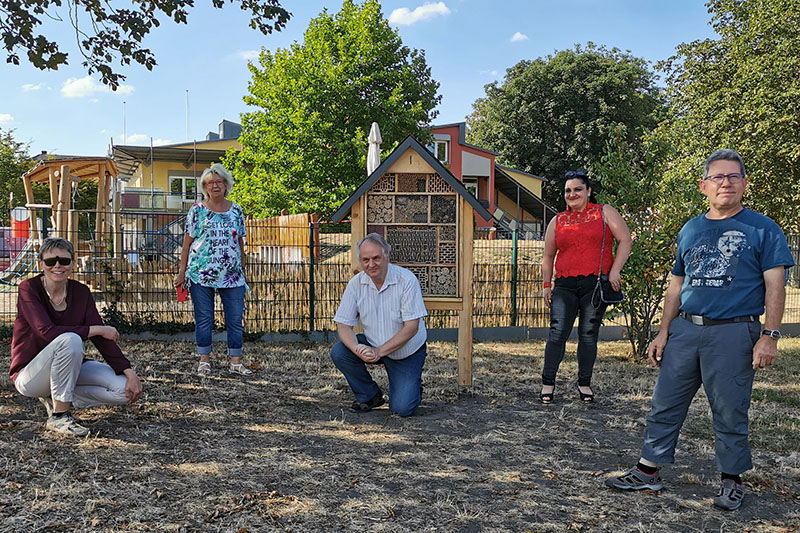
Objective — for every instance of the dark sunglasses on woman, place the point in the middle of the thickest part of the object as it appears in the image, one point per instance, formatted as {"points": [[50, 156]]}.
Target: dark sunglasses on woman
{"points": [[51, 261]]}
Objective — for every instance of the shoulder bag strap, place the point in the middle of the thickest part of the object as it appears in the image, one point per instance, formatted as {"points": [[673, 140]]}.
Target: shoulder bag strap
{"points": [[603, 243]]}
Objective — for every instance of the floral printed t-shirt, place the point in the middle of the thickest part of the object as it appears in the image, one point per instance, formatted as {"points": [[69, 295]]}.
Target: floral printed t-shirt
{"points": [[215, 258]]}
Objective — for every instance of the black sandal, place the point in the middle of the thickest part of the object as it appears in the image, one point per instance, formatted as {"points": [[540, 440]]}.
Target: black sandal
{"points": [[587, 398], [547, 397]]}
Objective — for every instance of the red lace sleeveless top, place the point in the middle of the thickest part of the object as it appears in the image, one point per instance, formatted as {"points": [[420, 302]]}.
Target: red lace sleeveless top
{"points": [[578, 242]]}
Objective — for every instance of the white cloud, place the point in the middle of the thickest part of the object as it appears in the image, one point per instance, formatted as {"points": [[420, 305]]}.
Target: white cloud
{"points": [[518, 37], [142, 139], [248, 55], [28, 87], [403, 16], [87, 87], [6, 118]]}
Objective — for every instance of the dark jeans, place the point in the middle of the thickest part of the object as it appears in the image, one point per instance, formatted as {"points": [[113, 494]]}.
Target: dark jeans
{"points": [[572, 297], [405, 376]]}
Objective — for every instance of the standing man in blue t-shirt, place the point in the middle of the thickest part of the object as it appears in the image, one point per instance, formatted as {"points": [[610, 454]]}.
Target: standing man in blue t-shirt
{"points": [[730, 268]]}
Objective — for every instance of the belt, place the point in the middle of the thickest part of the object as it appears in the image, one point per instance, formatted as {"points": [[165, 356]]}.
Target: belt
{"points": [[700, 320]]}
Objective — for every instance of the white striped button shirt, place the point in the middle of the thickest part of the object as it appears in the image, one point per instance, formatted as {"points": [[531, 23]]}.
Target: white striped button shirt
{"points": [[383, 312]]}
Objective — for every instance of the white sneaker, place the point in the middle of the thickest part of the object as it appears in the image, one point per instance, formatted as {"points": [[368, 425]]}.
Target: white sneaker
{"points": [[66, 424]]}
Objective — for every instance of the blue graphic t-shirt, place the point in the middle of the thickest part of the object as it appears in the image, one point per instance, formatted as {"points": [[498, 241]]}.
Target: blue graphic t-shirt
{"points": [[215, 258], [723, 262]]}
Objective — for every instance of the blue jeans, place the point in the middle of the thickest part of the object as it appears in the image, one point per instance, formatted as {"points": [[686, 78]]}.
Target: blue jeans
{"points": [[720, 358], [405, 377], [233, 309], [571, 296]]}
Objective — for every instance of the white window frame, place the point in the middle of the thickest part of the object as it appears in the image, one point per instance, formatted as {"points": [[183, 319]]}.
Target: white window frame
{"points": [[184, 196], [434, 147], [471, 184]]}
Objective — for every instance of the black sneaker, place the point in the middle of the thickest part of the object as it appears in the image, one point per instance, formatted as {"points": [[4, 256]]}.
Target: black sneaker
{"points": [[376, 401], [730, 495]]}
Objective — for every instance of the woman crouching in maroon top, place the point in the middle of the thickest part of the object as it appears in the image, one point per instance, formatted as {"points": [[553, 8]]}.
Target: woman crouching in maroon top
{"points": [[575, 239], [54, 316]]}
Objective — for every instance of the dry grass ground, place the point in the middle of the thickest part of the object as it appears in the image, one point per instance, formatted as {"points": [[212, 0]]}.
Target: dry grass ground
{"points": [[277, 452]]}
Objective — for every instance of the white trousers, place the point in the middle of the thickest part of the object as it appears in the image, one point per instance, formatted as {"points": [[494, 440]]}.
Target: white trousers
{"points": [[59, 371]]}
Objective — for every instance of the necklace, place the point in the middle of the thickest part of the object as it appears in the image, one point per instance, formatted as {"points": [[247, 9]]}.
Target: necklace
{"points": [[50, 297]]}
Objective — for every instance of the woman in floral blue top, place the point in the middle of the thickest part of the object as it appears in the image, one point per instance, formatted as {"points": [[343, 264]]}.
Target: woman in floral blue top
{"points": [[213, 259]]}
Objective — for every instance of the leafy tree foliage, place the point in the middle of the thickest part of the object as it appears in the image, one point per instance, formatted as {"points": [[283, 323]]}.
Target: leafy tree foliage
{"points": [[655, 206], [305, 148], [742, 91], [106, 34], [553, 114], [14, 162]]}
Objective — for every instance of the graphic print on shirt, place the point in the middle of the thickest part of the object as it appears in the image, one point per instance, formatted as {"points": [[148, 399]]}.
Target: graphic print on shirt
{"points": [[712, 261]]}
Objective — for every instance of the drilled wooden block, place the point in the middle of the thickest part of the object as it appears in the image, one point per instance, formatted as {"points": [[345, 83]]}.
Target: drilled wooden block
{"points": [[380, 230], [443, 209], [379, 208], [407, 182], [411, 208], [412, 244]]}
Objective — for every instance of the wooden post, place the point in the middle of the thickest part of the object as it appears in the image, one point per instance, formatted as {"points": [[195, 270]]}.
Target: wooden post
{"points": [[26, 182], [53, 175], [62, 213], [98, 223], [465, 279], [358, 227]]}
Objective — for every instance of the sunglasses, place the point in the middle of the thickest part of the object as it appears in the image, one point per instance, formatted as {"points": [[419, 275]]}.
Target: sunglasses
{"points": [[572, 174], [63, 261]]}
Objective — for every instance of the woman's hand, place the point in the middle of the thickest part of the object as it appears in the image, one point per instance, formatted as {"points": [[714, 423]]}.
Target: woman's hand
{"points": [[547, 294], [133, 387], [107, 332], [615, 279], [180, 279]]}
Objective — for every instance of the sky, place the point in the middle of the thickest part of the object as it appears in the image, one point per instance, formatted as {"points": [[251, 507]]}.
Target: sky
{"points": [[467, 44]]}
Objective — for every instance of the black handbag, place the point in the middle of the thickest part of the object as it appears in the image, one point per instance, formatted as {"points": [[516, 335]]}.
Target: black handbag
{"points": [[604, 293]]}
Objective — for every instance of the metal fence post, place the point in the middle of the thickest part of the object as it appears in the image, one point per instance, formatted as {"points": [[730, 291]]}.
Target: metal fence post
{"points": [[514, 258], [311, 299]]}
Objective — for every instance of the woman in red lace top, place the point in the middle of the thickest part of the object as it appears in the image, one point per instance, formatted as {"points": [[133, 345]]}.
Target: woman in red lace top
{"points": [[574, 240]]}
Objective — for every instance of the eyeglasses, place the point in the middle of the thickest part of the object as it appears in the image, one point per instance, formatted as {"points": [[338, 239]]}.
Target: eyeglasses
{"points": [[734, 178], [215, 183], [63, 261]]}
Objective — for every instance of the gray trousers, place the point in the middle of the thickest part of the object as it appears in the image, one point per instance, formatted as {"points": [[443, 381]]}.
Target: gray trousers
{"points": [[59, 371], [721, 359]]}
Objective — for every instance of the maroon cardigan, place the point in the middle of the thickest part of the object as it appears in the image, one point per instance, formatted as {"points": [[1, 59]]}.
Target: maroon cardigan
{"points": [[38, 324]]}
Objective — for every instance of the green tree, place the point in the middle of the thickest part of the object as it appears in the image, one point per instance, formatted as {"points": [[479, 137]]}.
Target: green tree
{"points": [[553, 114], [305, 148], [106, 35], [742, 91], [14, 162], [655, 206]]}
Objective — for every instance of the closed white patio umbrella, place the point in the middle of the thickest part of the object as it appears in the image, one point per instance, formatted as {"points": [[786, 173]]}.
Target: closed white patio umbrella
{"points": [[374, 151]]}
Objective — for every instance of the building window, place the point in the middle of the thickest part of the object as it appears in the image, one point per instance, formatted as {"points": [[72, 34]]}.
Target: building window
{"points": [[471, 185], [185, 187], [439, 149]]}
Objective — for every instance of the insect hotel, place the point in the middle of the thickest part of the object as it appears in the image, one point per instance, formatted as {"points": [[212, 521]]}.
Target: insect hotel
{"points": [[426, 214]]}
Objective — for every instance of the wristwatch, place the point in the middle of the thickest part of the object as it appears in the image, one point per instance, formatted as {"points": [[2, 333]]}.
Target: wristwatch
{"points": [[774, 333]]}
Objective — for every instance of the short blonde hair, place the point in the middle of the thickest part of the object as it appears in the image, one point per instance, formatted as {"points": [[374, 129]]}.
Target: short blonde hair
{"points": [[220, 171]]}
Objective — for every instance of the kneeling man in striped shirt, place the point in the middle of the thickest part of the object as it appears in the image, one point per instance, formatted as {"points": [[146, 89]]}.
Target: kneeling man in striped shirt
{"points": [[388, 301]]}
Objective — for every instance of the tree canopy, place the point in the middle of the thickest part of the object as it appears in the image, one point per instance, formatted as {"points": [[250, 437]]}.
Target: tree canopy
{"points": [[14, 162], [553, 114], [106, 35], [304, 148], [742, 91]]}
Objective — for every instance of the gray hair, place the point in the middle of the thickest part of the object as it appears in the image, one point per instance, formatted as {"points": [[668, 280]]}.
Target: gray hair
{"points": [[726, 154], [375, 238], [56, 243], [220, 171]]}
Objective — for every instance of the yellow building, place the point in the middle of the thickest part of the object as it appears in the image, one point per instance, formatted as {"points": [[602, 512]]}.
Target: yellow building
{"points": [[167, 177]]}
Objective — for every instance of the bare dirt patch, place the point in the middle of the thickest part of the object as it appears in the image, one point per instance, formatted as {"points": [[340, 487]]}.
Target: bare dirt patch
{"points": [[280, 452]]}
